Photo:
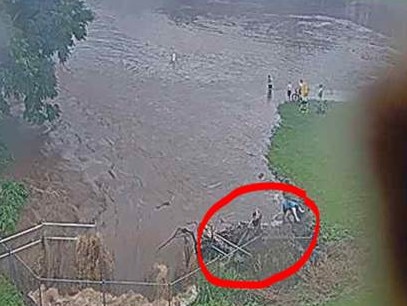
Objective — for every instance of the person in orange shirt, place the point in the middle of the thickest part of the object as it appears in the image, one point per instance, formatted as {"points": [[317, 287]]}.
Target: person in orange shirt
{"points": [[304, 90]]}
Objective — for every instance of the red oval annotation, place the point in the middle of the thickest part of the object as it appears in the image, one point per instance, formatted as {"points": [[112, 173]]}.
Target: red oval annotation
{"points": [[279, 276]]}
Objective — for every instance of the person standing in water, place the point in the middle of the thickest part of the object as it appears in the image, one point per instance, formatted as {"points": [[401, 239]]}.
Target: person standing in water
{"points": [[269, 88], [289, 91], [270, 83], [173, 58]]}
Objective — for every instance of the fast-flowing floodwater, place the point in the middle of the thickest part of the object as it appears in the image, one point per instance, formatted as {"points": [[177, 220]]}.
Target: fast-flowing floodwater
{"points": [[138, 131]]}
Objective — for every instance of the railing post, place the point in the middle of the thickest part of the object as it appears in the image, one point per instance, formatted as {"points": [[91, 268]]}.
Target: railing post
{"points": [[46, 252], [169, 294], [104, 292], [40, 292], [10, 265]]}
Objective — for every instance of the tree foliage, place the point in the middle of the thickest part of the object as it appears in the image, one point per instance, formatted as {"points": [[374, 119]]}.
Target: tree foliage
{"points": [[36, 35]]}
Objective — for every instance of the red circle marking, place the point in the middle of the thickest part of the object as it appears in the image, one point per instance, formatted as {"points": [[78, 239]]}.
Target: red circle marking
{"points": [[277, 277]]}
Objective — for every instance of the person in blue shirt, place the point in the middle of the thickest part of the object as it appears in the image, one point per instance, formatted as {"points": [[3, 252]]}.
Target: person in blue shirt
{"points": [[292, 206]]}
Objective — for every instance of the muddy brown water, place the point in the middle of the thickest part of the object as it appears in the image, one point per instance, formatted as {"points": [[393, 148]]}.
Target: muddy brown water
{"points": [[138, 131]]}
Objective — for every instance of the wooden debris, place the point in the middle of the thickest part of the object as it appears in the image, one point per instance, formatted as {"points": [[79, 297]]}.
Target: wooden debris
{"points": [[230, 240], [159, 206]]}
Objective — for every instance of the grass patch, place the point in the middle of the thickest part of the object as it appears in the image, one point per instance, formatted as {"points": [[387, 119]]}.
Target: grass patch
{"points": [[210, 295], [13, 196], [9, 295]]}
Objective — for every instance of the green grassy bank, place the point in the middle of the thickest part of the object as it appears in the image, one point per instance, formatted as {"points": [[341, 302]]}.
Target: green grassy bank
{"points": [[323, 154]]}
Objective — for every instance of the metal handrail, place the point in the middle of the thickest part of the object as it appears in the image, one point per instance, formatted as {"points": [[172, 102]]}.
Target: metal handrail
{"points": [[213, 261], [61, 238], [233, 245], [61, 224], [22, 248], [25, 232], [33, 274], [50, 224], [42, 280]]}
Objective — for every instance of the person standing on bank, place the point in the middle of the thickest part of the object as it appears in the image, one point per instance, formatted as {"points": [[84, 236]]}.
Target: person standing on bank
{"points": [[320, 92], [289, 91]]}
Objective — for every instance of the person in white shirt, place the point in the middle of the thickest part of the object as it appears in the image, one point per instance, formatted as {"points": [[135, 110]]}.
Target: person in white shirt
{"points": [[173, 58], [289, 90]]}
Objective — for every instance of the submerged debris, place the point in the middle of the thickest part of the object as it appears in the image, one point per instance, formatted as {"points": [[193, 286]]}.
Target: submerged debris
{"points": [[274, 245], [166, 203], [159, 206], [215, 185]]}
